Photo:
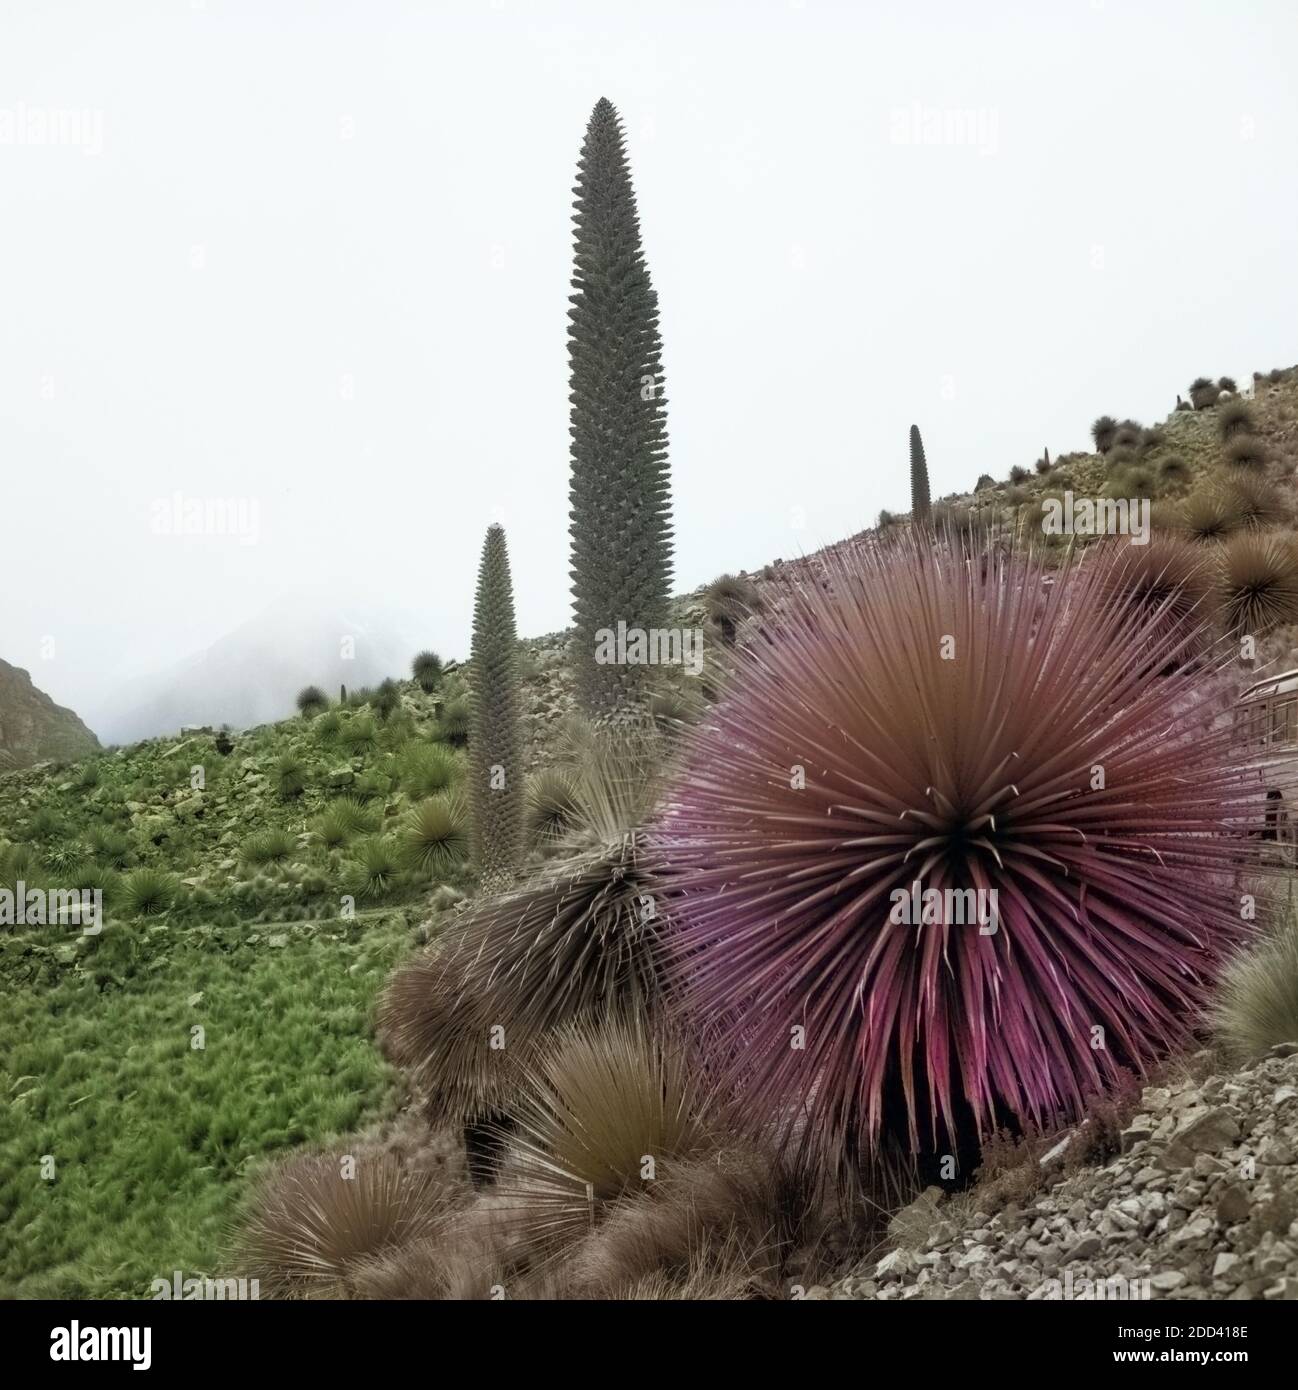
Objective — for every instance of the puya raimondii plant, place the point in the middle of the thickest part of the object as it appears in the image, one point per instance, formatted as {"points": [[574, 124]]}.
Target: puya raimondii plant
{"points": [[496, 783], [925, 719], [621, 535], [920, 506]]}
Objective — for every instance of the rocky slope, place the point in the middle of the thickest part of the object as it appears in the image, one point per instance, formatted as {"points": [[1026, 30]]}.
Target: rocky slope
{"points": [[33, 728], [1202, 1202]]}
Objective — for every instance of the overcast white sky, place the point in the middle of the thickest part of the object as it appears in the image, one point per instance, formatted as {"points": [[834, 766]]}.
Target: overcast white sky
{"points": [[316, 256]]}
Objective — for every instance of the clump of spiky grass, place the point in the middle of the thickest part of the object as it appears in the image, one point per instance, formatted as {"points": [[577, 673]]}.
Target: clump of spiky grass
{"points": [[333, 827], [453, 720], [732, 1223], [1257, 999], [580, 941], [146, 892], [371, 871], [1170, 579], [1102, 432], [426, 668], [673, 708], [1129, 436], [316, 1218], [1203, 392], [434, 834], [268, 847], [289, 776], [1132, 480], [922, 719], [604, 1108], [1174, 470], [358, 732], [1256, 501], [1258, 582], [429, 768], [1235, 418], [311, 700], [1227, 383], [1246, 451], [108, 846], [551, 804], [1206, 515]]}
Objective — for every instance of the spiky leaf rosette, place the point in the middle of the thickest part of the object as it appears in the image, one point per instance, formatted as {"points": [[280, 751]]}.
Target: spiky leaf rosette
{"points": [[920, 506], [621, 553], [850, 759], [1259, 582], [496, 779], [315, 1217], [1170, 578], [1103, 432], [600, 1100], [1208, 515], [581, 941]]}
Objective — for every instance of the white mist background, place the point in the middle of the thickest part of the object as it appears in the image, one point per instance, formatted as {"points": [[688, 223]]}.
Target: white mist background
{"points": [[322, 261]]}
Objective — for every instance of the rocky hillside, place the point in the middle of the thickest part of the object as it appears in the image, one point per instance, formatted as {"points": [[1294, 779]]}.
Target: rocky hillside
{"points": [[1200, 1202], [33, 728]]}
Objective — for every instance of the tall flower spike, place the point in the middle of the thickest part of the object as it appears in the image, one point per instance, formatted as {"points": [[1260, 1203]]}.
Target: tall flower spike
{"points": [[496, 782], [920, 507], [620, 493]]}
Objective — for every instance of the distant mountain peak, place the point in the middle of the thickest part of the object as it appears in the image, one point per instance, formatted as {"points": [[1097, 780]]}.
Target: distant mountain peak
{"points": [[33, 728]]}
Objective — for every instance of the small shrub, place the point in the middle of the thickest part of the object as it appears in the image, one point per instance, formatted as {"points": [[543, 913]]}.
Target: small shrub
{"points": [[1203, 393], [1019, 474]]}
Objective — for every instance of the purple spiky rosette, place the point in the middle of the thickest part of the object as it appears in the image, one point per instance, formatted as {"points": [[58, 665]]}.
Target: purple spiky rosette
{"points": [[912, 714]]}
